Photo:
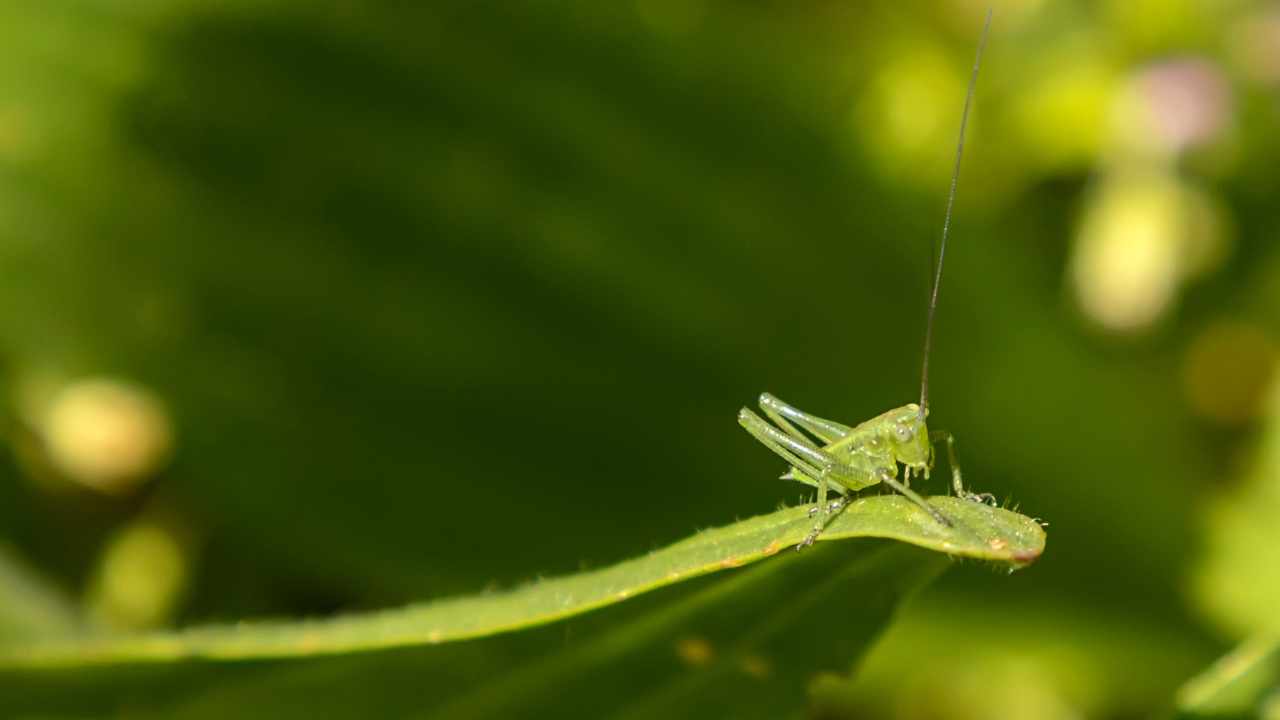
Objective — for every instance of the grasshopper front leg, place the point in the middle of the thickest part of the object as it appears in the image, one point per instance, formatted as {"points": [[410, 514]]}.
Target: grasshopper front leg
{"points": [[957, 481]]}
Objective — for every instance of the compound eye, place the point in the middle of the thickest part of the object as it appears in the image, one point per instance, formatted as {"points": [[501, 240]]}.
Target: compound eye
{"points": [[903, 432]]}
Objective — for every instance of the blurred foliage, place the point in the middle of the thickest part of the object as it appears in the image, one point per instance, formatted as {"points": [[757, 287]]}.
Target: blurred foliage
{"points": [[1241, 541], [1245, 683], [399, 302]]}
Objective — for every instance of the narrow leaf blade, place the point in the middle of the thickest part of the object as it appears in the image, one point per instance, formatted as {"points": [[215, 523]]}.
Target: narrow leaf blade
{"points": [[979, 531]]}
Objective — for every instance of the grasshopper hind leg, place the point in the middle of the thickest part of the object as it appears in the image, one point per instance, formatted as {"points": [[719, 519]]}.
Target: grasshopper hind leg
{"points": [[803, 456], [828, 431]]}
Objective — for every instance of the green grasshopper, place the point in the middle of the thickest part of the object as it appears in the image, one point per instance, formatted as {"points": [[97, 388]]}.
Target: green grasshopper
{"points": [[850, 459]]}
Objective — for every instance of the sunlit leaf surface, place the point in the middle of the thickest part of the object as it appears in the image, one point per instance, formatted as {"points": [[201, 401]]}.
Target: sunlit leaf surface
{"points": [[979, 532]]}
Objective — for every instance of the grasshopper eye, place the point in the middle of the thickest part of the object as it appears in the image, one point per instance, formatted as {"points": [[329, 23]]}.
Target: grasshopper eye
{"points": [[903, 432]]}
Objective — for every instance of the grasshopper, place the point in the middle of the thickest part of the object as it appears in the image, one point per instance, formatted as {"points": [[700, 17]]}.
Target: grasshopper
{"points": [[852, 458]]}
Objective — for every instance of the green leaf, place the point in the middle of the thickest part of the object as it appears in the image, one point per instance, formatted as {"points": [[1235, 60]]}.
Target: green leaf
{"points": [[750, 642], [980, 532], [1244, 683], [745, 643]]}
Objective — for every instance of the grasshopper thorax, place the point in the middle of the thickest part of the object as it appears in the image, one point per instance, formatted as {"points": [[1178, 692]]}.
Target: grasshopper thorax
{"points": [[905, 430]]}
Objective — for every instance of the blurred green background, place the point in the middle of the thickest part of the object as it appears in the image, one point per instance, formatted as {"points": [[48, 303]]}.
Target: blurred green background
{"points": [[320, 306]]}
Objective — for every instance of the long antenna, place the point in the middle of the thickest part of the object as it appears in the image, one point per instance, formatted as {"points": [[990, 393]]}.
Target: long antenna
{"points": [[946, 222]]}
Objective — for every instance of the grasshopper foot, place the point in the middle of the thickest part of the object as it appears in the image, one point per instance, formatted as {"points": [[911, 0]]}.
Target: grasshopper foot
{"points": [[942, 519], [808, 539], [984, 498], [833, 507]]}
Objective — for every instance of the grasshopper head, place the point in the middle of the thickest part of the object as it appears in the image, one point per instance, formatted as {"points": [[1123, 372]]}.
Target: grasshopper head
{"points": [[908, 435]]}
